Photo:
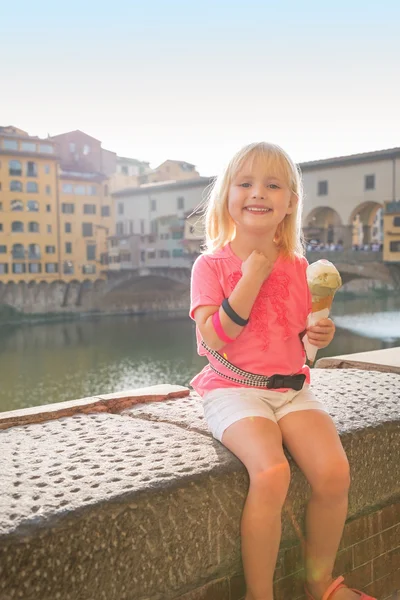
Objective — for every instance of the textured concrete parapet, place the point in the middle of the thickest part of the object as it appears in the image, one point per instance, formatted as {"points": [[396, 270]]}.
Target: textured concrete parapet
{"points": [[386, 361], [141, 503]]}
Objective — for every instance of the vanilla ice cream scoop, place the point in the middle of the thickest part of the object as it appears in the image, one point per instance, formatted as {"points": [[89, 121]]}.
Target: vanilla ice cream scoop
{"points": [[323, 279]]}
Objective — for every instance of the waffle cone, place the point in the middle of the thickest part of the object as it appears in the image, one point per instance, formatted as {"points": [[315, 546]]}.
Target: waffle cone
{"points": [[321, 303]]}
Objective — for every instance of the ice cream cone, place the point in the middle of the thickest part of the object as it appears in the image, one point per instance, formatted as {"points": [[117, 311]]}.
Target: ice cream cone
{"points": [[323, 281]]}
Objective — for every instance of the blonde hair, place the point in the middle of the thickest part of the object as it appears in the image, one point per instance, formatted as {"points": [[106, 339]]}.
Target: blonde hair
{"points": [[220, 227]]}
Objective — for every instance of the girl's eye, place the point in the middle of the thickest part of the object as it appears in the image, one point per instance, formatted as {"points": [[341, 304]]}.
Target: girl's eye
{"points": [[245, 185], [274, 186]]}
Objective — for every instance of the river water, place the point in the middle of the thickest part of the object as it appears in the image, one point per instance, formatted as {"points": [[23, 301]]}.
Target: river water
{"points": [[52, 362]]}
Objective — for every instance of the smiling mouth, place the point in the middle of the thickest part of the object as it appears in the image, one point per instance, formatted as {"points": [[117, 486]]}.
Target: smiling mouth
{"points": [[257, 210]]}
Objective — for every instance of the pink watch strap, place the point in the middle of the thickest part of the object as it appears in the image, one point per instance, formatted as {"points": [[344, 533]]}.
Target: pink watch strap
{"points": [[216, 321]]}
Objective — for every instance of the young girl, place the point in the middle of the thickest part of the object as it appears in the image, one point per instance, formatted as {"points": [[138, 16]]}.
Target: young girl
{"points": [[250, 301]]}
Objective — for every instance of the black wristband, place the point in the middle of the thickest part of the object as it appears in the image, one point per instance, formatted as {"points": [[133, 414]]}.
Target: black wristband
{"points": [[232, 314]]}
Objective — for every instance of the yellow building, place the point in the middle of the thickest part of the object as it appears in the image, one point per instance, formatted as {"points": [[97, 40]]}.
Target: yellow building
{"points": [[85, 223], [29, 248], [391, 232]]}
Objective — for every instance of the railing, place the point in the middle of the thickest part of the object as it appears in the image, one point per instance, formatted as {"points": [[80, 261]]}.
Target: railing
{"points": [[345, 256]]}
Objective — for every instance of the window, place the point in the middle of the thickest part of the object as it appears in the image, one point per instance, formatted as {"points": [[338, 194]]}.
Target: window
{"points": [[87, 229], [126, 257], [32, 206], [33, 251], [18, 251], [46, 148], [49, 228], [51, 267], [151, 254], [10, 145], [33, 227], [48, 207], [106, 190], [177, 235], [119, 230], [142, 226], [17, 205], [164, 253], [48, 190], [131, 226], [35, 268], [68, 248], [3, 249], [89, 209], [67, 188], [153, 206], [80, 190], [72, 147], [47, 169], [15, 186], [86, 149], [89, 269], [50, 249], [394, 246], [3, 268], [396, 222], [180, 203], [19, 268], [17, 226], [176, 252], [120, 208], [105, 211], [92, 190], [68, 228], [369, 183], [31, 169], [28, 146], [322, 188], [1, 226], [124, 170], [68, 268], [67, 208], [91, 252], [15, 168], [32, 187]]}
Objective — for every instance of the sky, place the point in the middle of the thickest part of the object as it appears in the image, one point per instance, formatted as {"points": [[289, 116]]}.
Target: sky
{"points": [[195, 81]]}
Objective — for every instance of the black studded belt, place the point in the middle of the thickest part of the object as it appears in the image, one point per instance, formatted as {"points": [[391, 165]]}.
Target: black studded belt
{"points": [[294, 382]]}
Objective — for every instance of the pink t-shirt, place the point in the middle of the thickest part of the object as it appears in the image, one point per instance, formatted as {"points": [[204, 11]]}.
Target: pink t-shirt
{"points": [[270, 343]]}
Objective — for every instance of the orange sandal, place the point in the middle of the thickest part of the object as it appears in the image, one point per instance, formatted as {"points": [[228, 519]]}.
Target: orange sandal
{"points": [[337, 585]]}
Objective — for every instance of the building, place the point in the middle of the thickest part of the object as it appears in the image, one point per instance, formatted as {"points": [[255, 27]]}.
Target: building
{"points": [[128, 173], [391, 224], [156, 215], [171, 170], [29, 237], [85, 215], [344, 195]]}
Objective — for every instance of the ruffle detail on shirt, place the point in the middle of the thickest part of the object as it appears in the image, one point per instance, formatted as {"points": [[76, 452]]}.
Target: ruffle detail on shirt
{"points": [[276, 291]]}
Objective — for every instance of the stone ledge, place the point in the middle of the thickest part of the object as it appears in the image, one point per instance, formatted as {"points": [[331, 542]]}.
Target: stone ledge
{"points": [[385, 361], [107, 403], [144, 504]]}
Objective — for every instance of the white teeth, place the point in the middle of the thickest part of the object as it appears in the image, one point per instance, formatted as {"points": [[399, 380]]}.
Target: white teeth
{"points": [[258, 209]]}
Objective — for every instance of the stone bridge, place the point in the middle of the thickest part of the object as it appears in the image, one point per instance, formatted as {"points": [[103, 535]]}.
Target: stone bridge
{"points": [[151, 289]]}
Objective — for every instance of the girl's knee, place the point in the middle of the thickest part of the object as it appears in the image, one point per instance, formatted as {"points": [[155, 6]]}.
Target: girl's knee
{"points": [[272, 482], [333, 479]]}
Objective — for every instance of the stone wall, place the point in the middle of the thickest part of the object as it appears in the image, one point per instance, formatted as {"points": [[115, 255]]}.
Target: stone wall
{"points": [[128, 497]]}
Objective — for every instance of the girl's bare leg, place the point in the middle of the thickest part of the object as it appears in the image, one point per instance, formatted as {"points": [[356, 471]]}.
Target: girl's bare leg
{"points": [[312, 440], [257, 442]]}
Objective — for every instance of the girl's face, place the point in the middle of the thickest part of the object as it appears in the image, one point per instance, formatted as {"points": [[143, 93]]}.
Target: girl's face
{"points": [[259, 200]]}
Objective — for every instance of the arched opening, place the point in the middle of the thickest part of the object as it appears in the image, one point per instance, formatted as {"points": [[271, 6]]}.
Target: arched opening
{"points": [[323, 225], [366, 222]]}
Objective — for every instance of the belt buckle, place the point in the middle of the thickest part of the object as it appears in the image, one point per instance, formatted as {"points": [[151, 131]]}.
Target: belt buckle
{"points": [[276, 381]]}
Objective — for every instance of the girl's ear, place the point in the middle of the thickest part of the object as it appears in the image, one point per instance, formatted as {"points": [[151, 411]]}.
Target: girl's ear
{"points": [[292, 204]]}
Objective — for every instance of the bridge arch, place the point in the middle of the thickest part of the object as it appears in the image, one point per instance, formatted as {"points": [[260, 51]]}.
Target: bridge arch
{"points": [[366, 221], [324, 224]]}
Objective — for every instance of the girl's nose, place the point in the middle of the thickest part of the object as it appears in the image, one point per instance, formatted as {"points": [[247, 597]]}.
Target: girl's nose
{"points": [[258, 193]]}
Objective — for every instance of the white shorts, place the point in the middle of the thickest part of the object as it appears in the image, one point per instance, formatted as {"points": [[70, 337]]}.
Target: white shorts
{"points": [[224, 406]]}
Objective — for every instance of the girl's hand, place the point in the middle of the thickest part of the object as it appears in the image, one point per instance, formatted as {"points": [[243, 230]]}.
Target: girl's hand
{"points": [[257, 266], [321, 334]]}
